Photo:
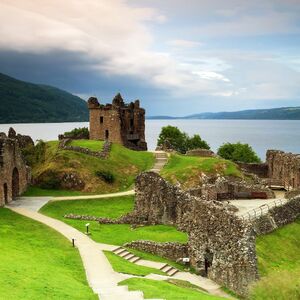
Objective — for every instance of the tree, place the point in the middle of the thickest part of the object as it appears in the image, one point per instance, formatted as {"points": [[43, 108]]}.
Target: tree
{"points": [[238, 152], [179, 140], [196, 142]]}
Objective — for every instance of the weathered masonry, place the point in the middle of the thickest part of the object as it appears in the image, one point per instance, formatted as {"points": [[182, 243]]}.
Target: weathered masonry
{"points": [[284, 168], [14, 174], [118, 122]]}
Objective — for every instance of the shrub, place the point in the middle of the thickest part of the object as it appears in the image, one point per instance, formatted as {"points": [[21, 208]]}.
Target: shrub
{"points": [[179, 140], [49, 180], [106, 176], [34, 153], [78, 133], [238, 152]]}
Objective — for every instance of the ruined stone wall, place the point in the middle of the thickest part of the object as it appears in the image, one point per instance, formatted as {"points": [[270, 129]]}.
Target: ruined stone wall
{"points": [[118, 122], [259, 169], [284, 168], [14, 174], [278, 216], [201, 153], [220, 245], [170, 250]]}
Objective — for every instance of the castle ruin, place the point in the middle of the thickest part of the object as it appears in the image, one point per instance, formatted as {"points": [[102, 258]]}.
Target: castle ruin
{"points": [[14, 174], [118, 122]]}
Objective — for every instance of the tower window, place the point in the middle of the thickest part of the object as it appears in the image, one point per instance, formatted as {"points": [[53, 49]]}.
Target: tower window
{"points": [[101, 120]]}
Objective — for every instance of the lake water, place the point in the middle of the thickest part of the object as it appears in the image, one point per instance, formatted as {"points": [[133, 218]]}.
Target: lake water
{"points": [[260, 134]]}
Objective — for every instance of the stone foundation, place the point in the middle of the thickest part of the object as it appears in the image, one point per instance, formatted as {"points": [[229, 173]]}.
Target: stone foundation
{"points": [[172, 251]]}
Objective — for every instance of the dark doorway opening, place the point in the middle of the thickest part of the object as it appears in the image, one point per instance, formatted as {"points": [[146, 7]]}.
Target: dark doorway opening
{"points": [[15, 183], [101, 120], [106, 134], [5, 193], [208, 259]]}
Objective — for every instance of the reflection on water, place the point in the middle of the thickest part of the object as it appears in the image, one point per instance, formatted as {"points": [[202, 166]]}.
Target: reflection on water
{"points": [[260, 134]]}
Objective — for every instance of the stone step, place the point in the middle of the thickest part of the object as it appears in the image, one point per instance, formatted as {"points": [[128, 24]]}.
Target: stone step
{"points": [[128, 256], [166, 269], [172, 272], [117, 249], [124, 254], [165, 265], [134, 259]]}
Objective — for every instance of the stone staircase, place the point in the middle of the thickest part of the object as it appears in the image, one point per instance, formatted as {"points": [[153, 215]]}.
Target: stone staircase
{"points": [[169, 270], [161, 158], [124, 253]]}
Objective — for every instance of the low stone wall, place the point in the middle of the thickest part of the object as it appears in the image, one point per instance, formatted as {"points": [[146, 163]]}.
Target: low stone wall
{"points": [[259, 169], [201, 153], [126, 219], [104, 153], [172, 251], [277, 216]]}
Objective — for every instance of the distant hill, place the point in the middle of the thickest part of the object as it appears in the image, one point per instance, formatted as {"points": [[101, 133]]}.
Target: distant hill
{"points": [[282, 113], [23, 102]]}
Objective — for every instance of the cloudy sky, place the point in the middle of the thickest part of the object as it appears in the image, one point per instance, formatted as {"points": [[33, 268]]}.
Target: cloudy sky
{"points": [[178, 57]]}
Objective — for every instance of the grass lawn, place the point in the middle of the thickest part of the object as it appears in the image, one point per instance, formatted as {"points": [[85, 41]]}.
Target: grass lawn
{"points": [[37, 262], [186, 169], [115, 234], [167, 290], [90, 144], [279, 264], [121, 265], [124, 164], [152, 257]]}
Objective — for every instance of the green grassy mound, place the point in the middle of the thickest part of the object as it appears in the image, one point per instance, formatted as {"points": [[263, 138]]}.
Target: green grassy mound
{"points": [[279, 264], [90, 144], [123, 165], [121, 265], [37, 262], [186, 169], [115, 234], [179, 290]]}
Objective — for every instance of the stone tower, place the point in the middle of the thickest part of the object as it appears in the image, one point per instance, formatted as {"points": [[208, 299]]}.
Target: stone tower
{"points": [[118, 122]]}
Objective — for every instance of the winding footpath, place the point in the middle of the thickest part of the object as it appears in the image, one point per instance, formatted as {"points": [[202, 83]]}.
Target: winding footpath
{"points": [[101, 277]]}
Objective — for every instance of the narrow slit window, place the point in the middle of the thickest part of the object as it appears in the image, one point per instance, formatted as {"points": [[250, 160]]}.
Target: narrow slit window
{"points": [[101, 120]]}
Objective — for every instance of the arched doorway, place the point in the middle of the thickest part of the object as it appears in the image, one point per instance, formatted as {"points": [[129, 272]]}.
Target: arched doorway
{"points": [[208, 259], [5, 193], [15, 183]]}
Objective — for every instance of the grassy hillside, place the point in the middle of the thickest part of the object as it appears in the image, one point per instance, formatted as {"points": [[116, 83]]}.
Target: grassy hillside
{"points": [[37, 262], [123, 164], [187, 169], [279, 264], [168, 290], [115, 234], [23, 102]]}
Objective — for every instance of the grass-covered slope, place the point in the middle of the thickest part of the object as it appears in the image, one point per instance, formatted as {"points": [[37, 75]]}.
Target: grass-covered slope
{"points": [[188, 169], [23, 102], [279, 264], [37, 262], [115, 234], [121, 265], [123, 164], [179, 290]]}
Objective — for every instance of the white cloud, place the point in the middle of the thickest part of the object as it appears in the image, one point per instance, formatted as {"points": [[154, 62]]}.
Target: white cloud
{"points": [[184, 43], [111, 33]]}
